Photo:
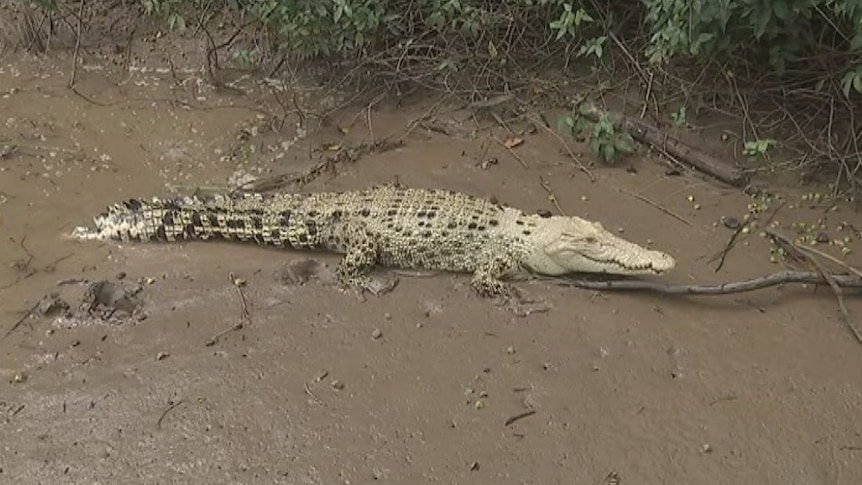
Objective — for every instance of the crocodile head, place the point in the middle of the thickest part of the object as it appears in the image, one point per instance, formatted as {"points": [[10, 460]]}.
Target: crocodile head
{"points": [[561, 245]]}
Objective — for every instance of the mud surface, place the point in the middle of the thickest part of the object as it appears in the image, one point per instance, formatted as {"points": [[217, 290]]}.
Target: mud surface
{"points": [[126, 381]]}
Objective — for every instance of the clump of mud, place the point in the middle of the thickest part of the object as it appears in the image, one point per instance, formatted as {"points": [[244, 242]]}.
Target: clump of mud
{"points": [[101, 302]]}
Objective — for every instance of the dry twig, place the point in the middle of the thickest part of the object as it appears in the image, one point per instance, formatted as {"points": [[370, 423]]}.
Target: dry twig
{"points": [[75, 54], [830, 279], [244, 315], [581, 166]]}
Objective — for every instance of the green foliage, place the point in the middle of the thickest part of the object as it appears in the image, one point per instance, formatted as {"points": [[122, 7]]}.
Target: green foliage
{"points": [[47, 6], [608, 140], [758, 149], [348, 27], [679, 117], [785, 34]]}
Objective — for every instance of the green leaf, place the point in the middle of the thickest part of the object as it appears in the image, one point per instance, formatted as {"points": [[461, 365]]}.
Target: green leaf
{"points": [[780, 9]]}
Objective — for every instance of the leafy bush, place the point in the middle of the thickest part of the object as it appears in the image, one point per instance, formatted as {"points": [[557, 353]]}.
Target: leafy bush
{"points": [[802, 53]]}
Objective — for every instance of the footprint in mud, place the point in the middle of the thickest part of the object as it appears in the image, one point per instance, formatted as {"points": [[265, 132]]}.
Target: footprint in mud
{"points": [[113, 303]]}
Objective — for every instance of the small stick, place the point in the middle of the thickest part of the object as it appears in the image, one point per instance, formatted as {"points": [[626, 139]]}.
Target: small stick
{"points": [[830, 279], [733, 239], [490, 103], [577, 160], [21, 320], [551, 195], [831, 258], [657, 206], [244, 315], [518, 417], [77, 45], [730, 244], [313, 396], [171, 407], [518, 158]]}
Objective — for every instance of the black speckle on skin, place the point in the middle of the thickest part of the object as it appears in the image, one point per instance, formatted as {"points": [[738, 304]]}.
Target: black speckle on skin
{"points": [[160, 233], [168, 219], [257, 223], [134, 204], [213, 220], [493, 222], [420, 214], [312, 213], [426, 234], [527, 233], [392, 212], [196, 220], [303, 238], [431, 214], [519, 222], [236, 224], [285, 218], [189, 230], [451, 225], [471, 225], [336, 214], [311, 228], [365, 212]]}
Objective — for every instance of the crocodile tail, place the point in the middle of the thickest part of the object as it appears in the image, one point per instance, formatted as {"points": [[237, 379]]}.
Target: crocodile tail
{"points": [[238, 217]]}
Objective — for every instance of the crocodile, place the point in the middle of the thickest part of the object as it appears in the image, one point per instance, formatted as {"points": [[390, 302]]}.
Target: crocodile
{"points": [[390, 226]]}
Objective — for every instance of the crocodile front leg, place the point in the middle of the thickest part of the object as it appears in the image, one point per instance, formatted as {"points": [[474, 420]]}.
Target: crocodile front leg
{"points": [[487, 281], [359, 259]]}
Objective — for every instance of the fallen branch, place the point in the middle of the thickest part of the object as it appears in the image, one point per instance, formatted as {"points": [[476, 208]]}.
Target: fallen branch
{"points": [[758, 283]]}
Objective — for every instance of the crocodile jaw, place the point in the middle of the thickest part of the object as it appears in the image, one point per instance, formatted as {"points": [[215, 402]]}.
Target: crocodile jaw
{"points": [[573, 245]]}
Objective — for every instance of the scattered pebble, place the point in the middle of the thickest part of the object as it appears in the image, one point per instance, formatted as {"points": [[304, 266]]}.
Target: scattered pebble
{"points": [[337, 385], [510, 350], [731, 223], [162, 356], [376, 334]]}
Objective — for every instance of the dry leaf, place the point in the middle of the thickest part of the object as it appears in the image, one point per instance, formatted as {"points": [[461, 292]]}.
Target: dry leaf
{"points": [[513, 142], [492, 50]]}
